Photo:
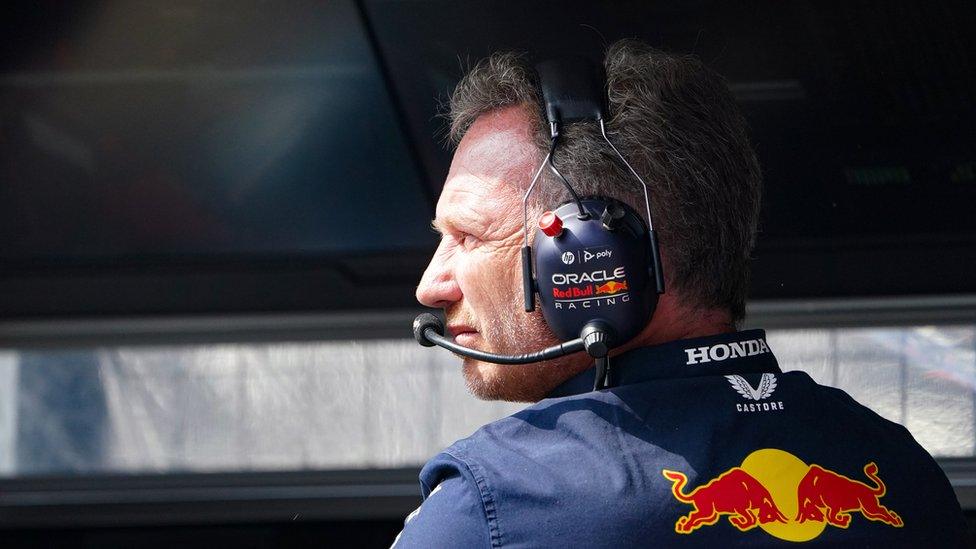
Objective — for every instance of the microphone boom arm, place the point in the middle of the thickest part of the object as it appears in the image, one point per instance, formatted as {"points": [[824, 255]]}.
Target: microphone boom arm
{"points": [[567, 348]]}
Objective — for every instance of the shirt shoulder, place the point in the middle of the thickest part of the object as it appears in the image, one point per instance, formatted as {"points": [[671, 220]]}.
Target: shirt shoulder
{"points": [[546, 474], [454, 513], [542, 432]]}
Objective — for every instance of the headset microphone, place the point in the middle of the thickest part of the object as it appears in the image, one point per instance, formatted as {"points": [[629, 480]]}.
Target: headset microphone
{"points": [[597, 267], [428, 330]]}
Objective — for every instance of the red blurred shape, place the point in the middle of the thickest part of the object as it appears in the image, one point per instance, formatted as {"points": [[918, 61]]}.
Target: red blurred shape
{"points": [[735, 493], [826, 495], [551, 224]]}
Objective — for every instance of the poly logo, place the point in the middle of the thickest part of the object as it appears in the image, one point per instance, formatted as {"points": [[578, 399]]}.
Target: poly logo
{"points": [[568, 258], [604, 253], [782, 495]]}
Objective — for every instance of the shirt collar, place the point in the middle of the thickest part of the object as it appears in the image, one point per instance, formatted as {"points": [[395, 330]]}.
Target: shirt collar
{"points": [[721, 354]]}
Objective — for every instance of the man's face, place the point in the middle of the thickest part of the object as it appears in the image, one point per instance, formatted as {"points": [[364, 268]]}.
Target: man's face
{"points": [[475, 274]]}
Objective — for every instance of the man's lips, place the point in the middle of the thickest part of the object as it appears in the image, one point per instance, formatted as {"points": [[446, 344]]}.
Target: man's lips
{"points": [[456, 330]]}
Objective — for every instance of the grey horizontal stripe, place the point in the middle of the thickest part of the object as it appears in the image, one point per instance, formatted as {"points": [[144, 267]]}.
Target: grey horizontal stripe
{"points": [[166, 495]]}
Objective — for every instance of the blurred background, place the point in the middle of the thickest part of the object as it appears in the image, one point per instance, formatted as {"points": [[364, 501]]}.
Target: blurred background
{"points": [[213, 216]]}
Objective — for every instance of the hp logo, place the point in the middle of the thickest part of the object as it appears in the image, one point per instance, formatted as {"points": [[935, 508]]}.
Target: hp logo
{"points": [[568, 258]]}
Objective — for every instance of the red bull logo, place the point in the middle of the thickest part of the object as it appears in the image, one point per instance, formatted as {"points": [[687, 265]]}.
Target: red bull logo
{"points": [[779, 493], [611, 287], [734, 493], [824, 495]]}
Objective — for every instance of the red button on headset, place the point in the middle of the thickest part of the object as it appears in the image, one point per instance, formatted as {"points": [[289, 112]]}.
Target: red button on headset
{"points": [[551, 224]]}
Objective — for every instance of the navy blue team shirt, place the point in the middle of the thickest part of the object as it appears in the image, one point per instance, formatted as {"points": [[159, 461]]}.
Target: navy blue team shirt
{"points": [[701, 442]]}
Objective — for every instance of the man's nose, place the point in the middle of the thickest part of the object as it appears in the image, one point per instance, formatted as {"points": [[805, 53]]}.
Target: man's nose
{"points": [[438, 288]]}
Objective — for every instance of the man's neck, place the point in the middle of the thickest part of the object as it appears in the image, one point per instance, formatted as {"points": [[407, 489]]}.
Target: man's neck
{"points": [[673, 321]]}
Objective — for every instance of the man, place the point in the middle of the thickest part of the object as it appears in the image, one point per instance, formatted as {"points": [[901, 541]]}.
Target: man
{"points": [[703, 440]]}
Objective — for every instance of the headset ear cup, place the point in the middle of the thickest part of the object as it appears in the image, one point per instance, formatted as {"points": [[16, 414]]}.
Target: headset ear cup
{"points": [[591, 272]]}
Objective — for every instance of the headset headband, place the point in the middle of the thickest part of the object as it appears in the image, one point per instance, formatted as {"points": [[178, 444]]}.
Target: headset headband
{"points": [[573, 89]]}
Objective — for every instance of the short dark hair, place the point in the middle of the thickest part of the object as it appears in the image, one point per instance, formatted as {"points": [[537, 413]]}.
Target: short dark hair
{"points": [[677, 123]]}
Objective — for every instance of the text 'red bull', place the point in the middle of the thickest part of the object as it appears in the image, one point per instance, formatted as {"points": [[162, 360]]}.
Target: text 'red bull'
{"points": [[584, 291], [735, 493]]}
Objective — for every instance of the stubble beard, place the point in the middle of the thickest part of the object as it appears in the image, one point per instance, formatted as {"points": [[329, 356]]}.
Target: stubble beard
{"points": [[515, 331]]}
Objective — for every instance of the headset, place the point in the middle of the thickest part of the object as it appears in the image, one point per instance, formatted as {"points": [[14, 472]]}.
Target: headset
{"points": [[597, 266]]}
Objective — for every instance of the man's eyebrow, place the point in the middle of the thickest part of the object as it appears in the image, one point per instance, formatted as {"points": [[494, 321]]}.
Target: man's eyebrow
{"points": [[439, 226]]}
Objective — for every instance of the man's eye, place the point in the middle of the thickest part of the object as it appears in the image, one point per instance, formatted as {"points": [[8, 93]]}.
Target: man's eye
{"points": [[467, 240]]}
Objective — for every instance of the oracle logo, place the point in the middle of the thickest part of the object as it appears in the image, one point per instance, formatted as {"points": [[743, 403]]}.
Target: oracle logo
{"points": [[594, 276]]}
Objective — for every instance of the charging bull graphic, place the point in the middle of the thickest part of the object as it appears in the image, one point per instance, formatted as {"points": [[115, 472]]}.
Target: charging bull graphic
{"points": [[822, 491], [611, 287], [735, 493], [777, 492]]}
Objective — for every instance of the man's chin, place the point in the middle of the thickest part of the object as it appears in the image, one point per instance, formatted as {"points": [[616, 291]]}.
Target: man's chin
{"points": [[489, 381], [517, 383]]}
